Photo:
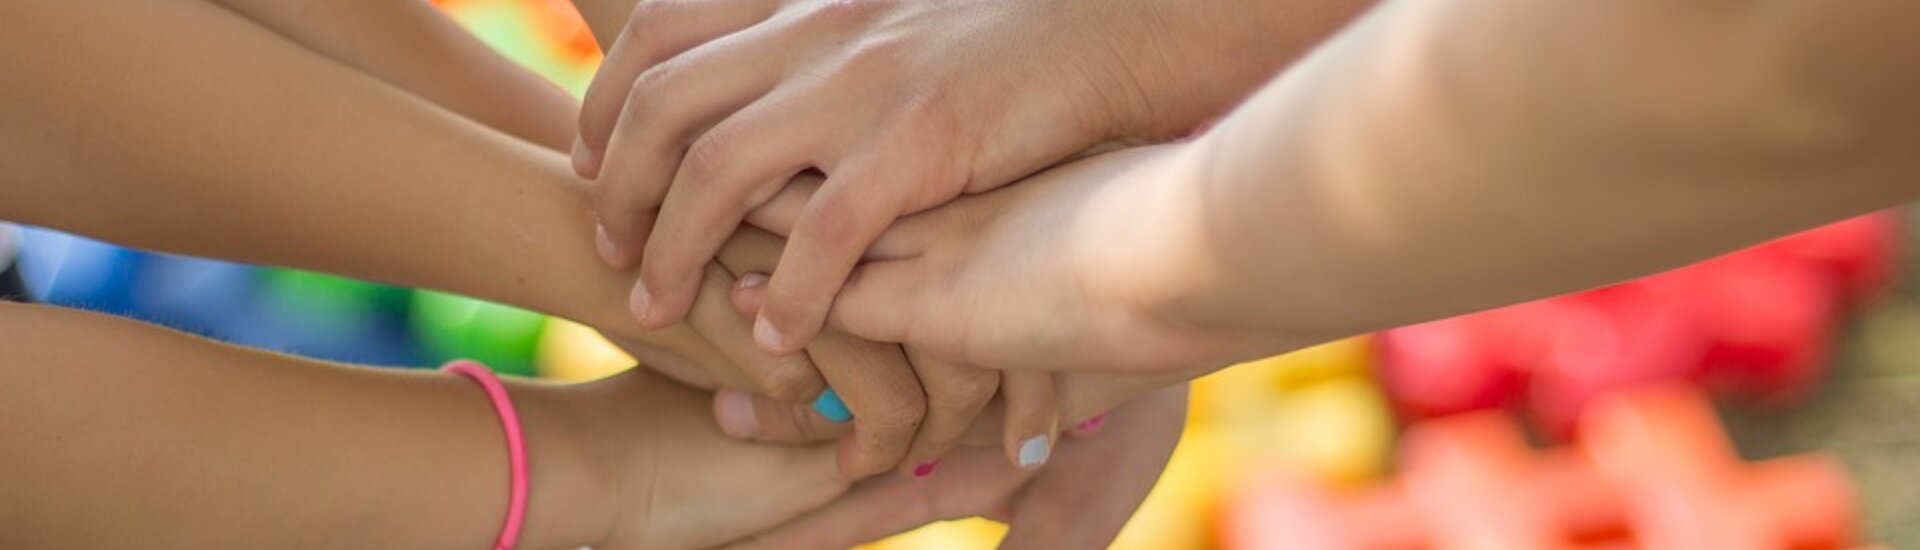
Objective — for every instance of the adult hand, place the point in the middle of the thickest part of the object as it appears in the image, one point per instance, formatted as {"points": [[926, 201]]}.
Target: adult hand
{"points": [[1081, 500], [1046, 275], [704, 109]]}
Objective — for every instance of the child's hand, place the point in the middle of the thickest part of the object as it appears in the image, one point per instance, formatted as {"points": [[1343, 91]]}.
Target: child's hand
{"points": [[704, 109], [670, 478], [1080, 501]]}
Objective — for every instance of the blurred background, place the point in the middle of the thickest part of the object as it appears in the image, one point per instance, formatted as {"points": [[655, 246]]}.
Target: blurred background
{"points": [[1774, 388]]}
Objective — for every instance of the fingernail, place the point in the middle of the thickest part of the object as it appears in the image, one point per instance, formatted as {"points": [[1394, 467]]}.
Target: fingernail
{"points": [[751, 281], [734, 412], [768, 337], [1091, 424], [1034, 451], [641, 302], [830, 406], [585, 163], [609, 252], [925, 468]]}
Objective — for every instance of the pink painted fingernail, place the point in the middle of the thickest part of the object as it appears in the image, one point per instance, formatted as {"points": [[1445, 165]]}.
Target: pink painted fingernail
{"points": [[1092, 424], [925, 468]]}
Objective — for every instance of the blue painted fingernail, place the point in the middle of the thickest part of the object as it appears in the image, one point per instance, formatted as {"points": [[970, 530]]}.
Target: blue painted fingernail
{"points": [[1034, 451], [830, 406]]}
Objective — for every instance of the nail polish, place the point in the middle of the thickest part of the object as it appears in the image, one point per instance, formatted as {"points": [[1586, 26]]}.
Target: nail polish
{"points": [[925, 468], [1034, 451], [830, 406], [1092, 424]]}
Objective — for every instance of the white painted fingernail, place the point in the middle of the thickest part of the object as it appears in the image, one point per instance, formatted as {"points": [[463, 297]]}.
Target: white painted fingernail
{"points": [[767, 336], [1034, 451]]}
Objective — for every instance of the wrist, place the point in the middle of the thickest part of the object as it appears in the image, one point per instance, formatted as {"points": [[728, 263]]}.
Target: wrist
{"points": [[569, 503], [1173, 269]]}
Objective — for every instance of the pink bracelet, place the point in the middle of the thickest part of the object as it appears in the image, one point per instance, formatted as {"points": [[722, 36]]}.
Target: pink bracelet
{"points": [[516, 447]]}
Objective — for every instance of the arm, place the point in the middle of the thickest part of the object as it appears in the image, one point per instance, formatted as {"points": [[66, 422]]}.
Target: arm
{"points": [[1505, 151], [414, 47], [366, 180], [163, 438], [1435, 158]]}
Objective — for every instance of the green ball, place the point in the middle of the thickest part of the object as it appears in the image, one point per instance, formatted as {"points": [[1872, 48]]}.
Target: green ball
{"points": [[456, 327]]}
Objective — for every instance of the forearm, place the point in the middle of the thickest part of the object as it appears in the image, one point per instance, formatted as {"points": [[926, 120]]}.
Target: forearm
{"points": [[1444, 157], [162, 440], [413, 46], [283, 157]]}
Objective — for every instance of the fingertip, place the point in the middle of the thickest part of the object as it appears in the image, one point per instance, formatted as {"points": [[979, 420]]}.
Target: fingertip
{"points": [[586, 161], [1034, 451], [733, 411], [658, 303], [770, 338], [748, 293], [831, 407], [640, 304], [1089, 426], [603, 244]]}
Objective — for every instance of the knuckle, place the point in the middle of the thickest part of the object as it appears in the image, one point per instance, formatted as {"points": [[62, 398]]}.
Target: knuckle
{"points": [[647, 17], [899, 415], [834, 221], [648, 86], [877, 58], [840, 13], [706, 158]]}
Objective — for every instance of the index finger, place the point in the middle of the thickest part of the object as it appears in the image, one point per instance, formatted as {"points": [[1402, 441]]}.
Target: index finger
{"points": [[657, 31]]}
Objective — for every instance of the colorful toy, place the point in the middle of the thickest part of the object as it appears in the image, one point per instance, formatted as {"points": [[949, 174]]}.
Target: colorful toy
{"points": [[1756, 323], [1653, 471]]}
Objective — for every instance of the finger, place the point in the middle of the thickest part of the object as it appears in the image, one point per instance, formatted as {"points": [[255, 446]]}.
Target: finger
{"points": [[667, 105], [750, 417], [878, 508], [851, 209], [1086, 507], [884, 395], [657, 31], [1033, 417], [778, 214], [882, 301], [790, 378], [875, 382], [736, 165], [956, 394]]}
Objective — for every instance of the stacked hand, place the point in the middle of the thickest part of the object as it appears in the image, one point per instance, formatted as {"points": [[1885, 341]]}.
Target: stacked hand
{"points": [[848, 127]]}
